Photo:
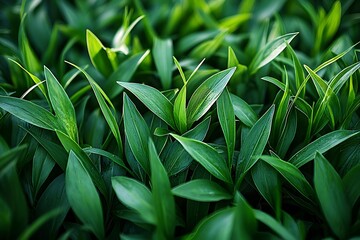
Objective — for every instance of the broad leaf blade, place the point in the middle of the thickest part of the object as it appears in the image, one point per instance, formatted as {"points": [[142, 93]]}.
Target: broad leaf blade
{"points": [[163, 53], [202, 190], [207, 156], [137, 133], [206, 95], [352, 185], [255, 142], [29, 112], [331, 195], [136, 196], [82, 196], [243, 111], [152, 99], [63, 108]]}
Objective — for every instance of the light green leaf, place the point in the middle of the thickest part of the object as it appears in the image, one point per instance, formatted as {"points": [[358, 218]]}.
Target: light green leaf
{"points": [[163, 53], [201, 190], [275, 82], [207, 156], [255, 143], [331, 195], [137, 133], [270, 51], [292, 175], [163, 199], [333, 20], [340, 79], [136, 196], [98, 54], [322, 144], [63, 108], [152, 99], [82, 195], [29, 112], [243, 111], [226, 115], [180, 110], [206, 94]]}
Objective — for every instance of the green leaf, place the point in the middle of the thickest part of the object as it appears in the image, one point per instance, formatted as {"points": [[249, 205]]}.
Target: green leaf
{"points": [[176, 159], [152, 99], [226, 115], [163, 199], [299, 73], [163, 53], [352, 185], [136, 196], [322, 144], [206, 94], [108, 113], [63, 108], [30, 230], [98, 54], [137, 133], [331, 195], [268, 184], [180, 110], [29, 112], [201, 190], [53, 197], [35, 79], [340, 79], [270, 51], [273, 224], [42, 165], [11, 155], [275, 82], [333, 20], [124, 73], [292, 175], [86, 162], [207, 156], [255, 143], [243, 111], [14, 198], [82, 195]]}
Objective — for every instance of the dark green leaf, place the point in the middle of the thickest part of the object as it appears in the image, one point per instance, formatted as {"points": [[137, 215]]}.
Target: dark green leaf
{"points": [[331, 195], [82, 196], [352, 185]]}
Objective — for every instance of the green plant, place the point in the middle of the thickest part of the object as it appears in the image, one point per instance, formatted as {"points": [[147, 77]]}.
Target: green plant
{"points": [[179, 119]]}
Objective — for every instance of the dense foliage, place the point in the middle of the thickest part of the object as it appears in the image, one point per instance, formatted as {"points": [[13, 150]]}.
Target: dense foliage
{"points": [[194, 119]]}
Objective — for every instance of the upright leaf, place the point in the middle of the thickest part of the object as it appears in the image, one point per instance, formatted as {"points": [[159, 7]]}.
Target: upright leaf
{"points": [[108, 113], [331, 195], [163, 199], [207, 156], [83, 197], [255, 143], [180, 110], [152, 99], [43, 164], [206, 95], [137, 133], [226, 115], [352, 185], [163, 53], [63, 108]]}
